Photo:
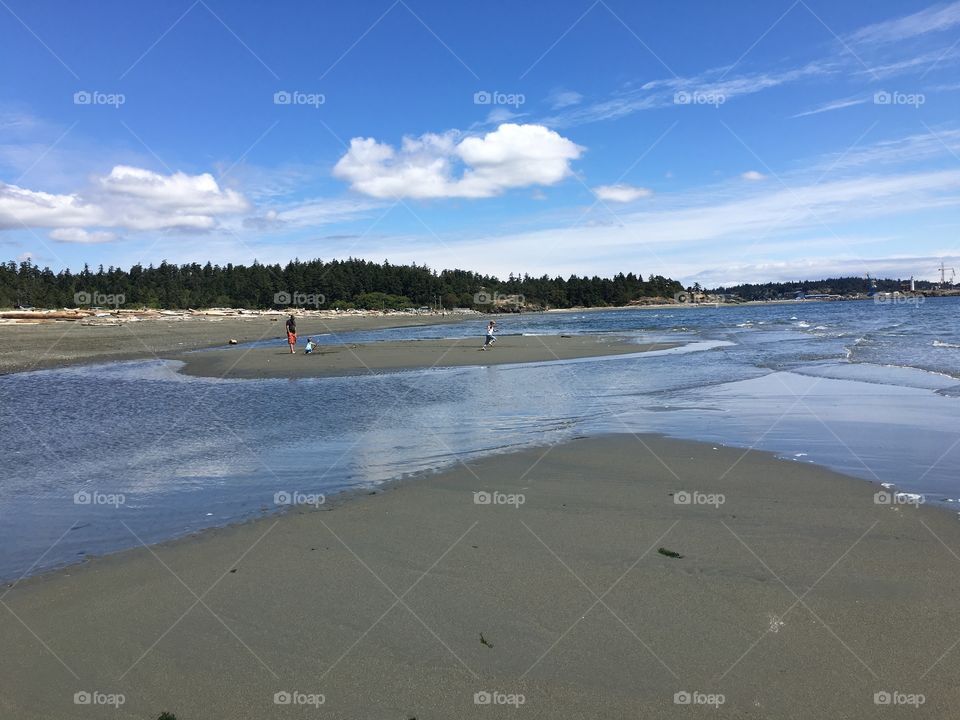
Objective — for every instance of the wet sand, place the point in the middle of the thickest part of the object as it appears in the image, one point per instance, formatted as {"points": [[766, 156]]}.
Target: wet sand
{"points": [[797, 597], [55, 344], [364, 358]]}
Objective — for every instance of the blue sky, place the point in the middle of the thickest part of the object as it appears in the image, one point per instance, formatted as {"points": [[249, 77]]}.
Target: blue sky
{"points": [[711, 142]]}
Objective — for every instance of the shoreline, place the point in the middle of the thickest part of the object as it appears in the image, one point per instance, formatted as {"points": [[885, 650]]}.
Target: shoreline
{"points": [[292, 601], [62, 344], [338, 360], [46, 344]]}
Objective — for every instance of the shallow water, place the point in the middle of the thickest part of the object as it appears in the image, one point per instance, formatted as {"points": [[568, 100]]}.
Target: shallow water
{"points": [[867, 389]]}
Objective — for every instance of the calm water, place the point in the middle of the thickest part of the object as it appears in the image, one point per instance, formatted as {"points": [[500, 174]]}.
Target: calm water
{"points": [[872, 390]]}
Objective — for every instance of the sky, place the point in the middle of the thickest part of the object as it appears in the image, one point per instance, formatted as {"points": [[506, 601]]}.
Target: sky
{"points": [[719, 143]]}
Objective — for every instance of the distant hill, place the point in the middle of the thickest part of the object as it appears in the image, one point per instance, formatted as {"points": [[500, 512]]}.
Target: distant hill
{"points": [[828, 286]]}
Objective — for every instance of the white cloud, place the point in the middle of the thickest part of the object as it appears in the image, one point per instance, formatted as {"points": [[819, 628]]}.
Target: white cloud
{"points": [[936, 18], [79, 235], [500, 115], [564, 98], [13, 121], [621, 193], [911, 62], [753, 176], [147, 200], [832, 105], [20, 207], [127, 197], [511, 156], [269, 220], [312, 212], [936, 143], [657, 94]]}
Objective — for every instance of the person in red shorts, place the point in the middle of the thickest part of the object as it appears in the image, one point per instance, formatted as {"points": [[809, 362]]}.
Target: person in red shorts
{"points": [[292, 333]]}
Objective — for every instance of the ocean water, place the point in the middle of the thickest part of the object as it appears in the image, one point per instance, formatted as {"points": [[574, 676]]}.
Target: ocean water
{"points": [[103, 457]]}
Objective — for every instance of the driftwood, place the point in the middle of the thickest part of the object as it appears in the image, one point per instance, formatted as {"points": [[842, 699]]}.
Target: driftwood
{"points": [[51, 315], [111, 316]]}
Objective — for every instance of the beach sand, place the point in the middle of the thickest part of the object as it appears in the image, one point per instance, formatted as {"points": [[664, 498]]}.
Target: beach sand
{"points": [[353, 358], [54, 344], [798, 597]]}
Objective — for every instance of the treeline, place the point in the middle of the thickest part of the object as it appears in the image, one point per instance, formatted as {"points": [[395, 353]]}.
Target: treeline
{"points": [[829, 286], [341, 284]]}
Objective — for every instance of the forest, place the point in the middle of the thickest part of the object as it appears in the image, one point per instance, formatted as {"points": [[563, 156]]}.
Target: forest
{"points": [[854, 285], [343, 284]]}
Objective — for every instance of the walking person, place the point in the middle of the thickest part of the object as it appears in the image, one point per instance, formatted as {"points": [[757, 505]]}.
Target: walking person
{"points": [[292, 333], [491, 337]]}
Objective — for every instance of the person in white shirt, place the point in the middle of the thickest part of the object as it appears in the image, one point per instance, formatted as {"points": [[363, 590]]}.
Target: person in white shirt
{"points": [[491, 338]]}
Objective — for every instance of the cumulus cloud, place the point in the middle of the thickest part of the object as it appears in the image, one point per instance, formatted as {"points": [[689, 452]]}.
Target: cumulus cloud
{"points": [[150, 201], [128, 197], [446, 166], [20, 207], [753, 176], [79, 235], [621, 193]]}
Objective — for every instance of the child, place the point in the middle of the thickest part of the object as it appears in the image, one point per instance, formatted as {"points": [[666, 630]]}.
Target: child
{"points": [[309, 348], [490, 339]]}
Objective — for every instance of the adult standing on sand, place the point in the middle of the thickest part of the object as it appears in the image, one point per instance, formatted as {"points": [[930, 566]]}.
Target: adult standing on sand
{"points": [[292, 333], [491, 338]]}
